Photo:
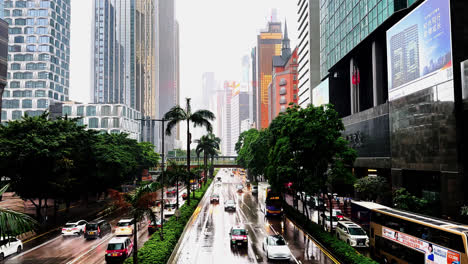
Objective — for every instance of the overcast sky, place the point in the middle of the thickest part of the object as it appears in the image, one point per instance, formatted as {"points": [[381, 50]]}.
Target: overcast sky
{"points": [[214, 36]]}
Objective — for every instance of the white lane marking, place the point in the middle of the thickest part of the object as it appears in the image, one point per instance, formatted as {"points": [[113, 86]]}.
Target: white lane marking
{"points": [[36, 247], [91, 249]]}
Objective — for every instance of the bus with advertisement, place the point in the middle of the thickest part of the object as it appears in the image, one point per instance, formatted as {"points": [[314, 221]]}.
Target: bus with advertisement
{"points": [[400, 237], [273, 203]]}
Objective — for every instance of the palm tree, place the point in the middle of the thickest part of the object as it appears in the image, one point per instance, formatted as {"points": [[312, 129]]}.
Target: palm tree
{"points": [[209, 145], [173, 173], [13, 223], [199, 118]]}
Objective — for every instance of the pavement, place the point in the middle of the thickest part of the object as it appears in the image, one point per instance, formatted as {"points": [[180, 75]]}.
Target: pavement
{"points": [[206, 239]]}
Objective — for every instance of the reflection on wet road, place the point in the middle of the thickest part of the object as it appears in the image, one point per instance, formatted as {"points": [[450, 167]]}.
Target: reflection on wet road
{"points": [[207, 239]]}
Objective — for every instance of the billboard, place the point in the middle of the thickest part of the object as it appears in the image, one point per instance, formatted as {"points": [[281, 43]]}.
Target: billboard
{"points": [[419, 53], [433, 254], [320, 94]]}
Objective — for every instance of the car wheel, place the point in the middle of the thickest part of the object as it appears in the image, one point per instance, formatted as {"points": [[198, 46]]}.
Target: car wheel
{"points": [[2, 256], [18, 250], [349, 243], [268, 257]]}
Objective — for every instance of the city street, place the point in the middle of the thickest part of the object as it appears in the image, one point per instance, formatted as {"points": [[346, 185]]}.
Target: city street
{"points": [[74, 250], [207, 239]]}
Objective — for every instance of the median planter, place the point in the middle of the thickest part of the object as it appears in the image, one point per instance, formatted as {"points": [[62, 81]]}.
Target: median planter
{"points": [[344, 252], [157, 251]]}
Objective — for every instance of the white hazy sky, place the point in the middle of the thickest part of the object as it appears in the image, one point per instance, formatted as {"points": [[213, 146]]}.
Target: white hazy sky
{"points": [[214, 35]]}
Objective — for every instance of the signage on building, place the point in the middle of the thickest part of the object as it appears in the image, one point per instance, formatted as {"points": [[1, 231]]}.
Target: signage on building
{"points": [[419, 53], [434, 254], [320, 94]]}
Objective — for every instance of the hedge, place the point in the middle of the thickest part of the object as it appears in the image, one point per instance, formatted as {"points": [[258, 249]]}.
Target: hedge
{"points": [[156, 251], [344, 252]]}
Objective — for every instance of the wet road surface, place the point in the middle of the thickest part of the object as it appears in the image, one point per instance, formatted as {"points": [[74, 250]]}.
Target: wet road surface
{"points": [[207, 239], [74, 249]]}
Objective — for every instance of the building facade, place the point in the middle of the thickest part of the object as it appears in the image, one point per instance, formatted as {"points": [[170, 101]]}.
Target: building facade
{"points": [[253, 87], [3, 59], [308, 49], [226, 143], [268, 45], [393, 72], [239, 111], [38, 56]]}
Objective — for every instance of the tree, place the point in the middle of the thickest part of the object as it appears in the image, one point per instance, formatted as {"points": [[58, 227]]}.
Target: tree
{"points": [[209, 146], [404, 200], [252, 149], [199, 118], [173, 173], [371, 188], [13, 223]]}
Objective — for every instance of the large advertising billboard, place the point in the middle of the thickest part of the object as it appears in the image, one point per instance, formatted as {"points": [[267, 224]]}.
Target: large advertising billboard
{"points": [[433, 254], [419, 53], [320, 94]]}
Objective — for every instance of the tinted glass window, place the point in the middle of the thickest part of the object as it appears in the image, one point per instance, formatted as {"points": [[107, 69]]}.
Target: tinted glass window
{"points": [[356, 231], [124, 224], [239, 232], [91, 226], [117, 246]]}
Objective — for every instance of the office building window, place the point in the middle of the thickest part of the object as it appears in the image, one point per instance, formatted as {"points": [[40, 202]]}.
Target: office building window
{"points": [[42, 103], [90, 110], [93, 123], [26, 103], [16, 115]]}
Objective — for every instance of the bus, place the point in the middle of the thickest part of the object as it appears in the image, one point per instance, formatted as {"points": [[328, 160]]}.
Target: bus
{"points": [[400, 237], [273, 203]]}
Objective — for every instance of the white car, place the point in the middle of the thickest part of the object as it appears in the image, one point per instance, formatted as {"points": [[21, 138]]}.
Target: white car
{"points": [[125, 227], [10, 246], [327, 221], [352, 234], [169, 208], [74, 228], [276, 248]]}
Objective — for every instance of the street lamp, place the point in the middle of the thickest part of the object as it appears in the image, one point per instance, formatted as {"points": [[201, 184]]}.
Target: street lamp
{"points": [[162, 173]]}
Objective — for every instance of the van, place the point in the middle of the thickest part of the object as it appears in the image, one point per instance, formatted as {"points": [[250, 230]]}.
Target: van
{"points": [[96, 229]]}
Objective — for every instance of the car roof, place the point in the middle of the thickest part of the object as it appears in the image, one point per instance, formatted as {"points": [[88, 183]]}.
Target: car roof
{"points": [[118, 240], [349, 224], [74, 223], [126, 220], [239, 227]]}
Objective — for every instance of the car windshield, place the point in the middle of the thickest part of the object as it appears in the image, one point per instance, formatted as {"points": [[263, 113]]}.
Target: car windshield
{"points": [[277, 241], [334, 218], [214, 196], [356, 231], [69, 225], [170, 206], [123, 224], [117, 246], [239, 232], [337, 212], [230, 202], [91, 226]]}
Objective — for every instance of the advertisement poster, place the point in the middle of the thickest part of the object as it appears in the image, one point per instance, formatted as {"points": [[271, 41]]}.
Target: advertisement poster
{"points": [[433, 254], [320, 94], [419, 53]]}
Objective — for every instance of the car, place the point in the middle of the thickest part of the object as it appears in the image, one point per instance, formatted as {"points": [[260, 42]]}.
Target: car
{"points": [[238, 236], [9, 245], [326, 217], [118, 249], [352, 234], [254, 189], [125, 227], [276, 248], [169, 207], [240, 188], [155, 225], [229, 205], [171, 192], [74, 228], [338, 214], [184, 196], [214, 198], [96, 229]]}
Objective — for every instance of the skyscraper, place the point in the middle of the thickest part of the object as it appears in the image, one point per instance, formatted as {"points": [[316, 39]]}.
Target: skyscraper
{"points": [[268, 45], [253, 100], [177, 72], [3, 57], [208, 87], [39, 56]]}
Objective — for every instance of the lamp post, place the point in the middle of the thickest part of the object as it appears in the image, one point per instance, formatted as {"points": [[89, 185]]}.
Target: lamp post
{"points": [[162, 173]]}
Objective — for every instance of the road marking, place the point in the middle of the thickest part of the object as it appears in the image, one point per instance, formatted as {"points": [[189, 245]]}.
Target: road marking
{"points": [[91, 249], [36, 247], [48, 232]]}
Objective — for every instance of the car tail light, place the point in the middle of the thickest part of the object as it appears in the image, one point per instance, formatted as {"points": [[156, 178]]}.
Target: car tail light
{"points": [[63, 229], [74, 228], [84, 229], [98, 229]]}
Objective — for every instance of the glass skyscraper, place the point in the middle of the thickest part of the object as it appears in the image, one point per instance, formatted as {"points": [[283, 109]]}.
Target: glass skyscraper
{"points": [[39, 56]]}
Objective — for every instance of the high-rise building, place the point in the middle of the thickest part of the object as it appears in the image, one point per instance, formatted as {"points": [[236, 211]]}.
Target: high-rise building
{"points": [[39, 56], [227, 144], [268, 45], [309, 49], [283, 89], [220, 98], [253, 87], [177, 73], [3, 58], [239, 111], [208, 87]]}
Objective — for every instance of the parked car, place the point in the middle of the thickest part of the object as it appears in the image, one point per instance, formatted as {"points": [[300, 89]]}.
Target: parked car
{"points": [[326, 218], [276, 248], [169, 207], [229, 205], [214, 198], [171, 192], [96, 229], [184, 196], [125, 227], [352, 234], [254, 189], [9, 245], [74, 228], [338, 214], [118, 249], [238, 236], [155, 225]]}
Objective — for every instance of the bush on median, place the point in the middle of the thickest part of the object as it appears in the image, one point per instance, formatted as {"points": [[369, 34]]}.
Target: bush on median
{"points": [[157, 251], [344, 252]]}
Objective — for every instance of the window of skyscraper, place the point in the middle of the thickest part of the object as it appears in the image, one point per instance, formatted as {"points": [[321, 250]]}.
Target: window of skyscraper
{"points": [[40, 93], [93, 123], [20, 4], [90, 110], [19, 39], [16, 115], [42, 103], [20, 22], [26, 103]]}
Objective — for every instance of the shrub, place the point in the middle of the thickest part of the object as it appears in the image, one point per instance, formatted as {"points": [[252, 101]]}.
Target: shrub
{"points": [[157, 251], [344, 252]]}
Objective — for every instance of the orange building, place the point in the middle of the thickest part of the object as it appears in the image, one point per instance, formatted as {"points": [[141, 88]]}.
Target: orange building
{"points": [[283, 88], [268, 45]]}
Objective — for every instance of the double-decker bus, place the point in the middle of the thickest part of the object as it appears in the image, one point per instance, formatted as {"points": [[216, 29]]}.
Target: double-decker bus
{"points": [[273, 203], [400, 237]]}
